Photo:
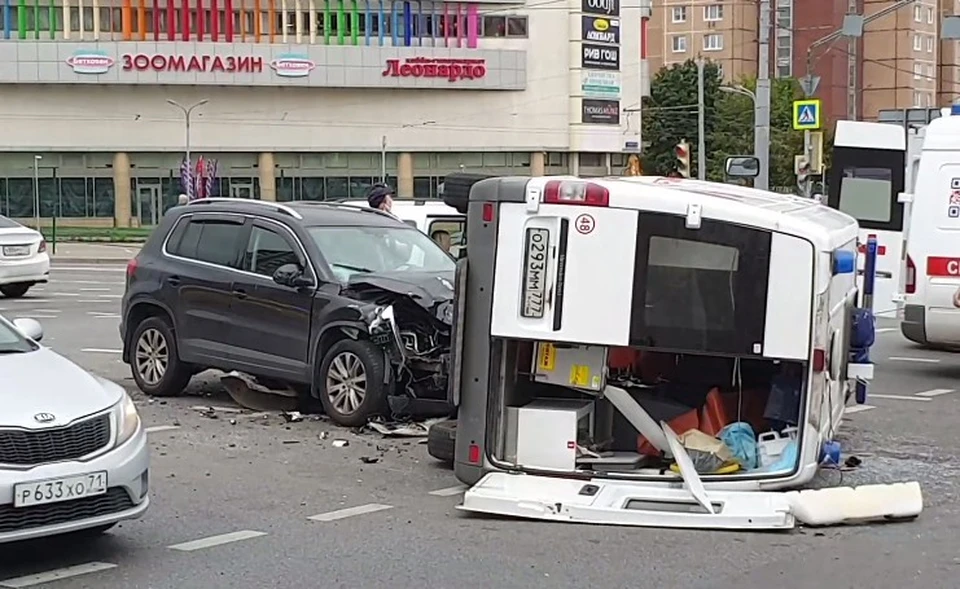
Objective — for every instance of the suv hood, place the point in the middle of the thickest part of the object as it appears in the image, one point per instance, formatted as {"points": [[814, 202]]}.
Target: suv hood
{"points": [[431, 290], [45, 382]]}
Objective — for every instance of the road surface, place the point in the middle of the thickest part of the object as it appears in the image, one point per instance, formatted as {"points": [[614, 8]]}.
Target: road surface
{"points": [[251, 501]]}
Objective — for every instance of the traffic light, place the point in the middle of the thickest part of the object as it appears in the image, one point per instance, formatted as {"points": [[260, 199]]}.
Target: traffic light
{"points": [[682, 151]]}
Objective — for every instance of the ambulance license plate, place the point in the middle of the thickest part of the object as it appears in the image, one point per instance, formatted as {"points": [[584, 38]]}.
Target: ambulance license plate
{"points": [[536, 249]]}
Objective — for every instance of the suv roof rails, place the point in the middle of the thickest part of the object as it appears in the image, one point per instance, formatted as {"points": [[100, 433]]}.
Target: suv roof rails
{"points": [[344, 205], [265, 203]]}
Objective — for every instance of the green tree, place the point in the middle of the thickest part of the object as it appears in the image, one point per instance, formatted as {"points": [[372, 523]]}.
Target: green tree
{"points": [[733, 130], [670, 115]]}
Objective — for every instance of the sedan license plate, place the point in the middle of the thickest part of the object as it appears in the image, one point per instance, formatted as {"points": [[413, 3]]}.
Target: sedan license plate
{"points": [[536, 250], [56, 490], [16, 250]]}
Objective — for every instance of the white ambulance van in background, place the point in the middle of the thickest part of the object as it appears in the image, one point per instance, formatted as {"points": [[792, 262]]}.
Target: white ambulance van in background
{"points": [[931, 285], [866, 177], [429, 216]]}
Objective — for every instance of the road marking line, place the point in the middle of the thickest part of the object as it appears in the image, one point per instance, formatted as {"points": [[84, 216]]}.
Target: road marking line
{"points": [[449, 491], [857, 408], [111, 296], [95, 301], [106, 316], [935, 392], [913, 359], [212, 541], [120, 266], [94, 290], [101, 351], [885, 329], [57, 574], [35, 316], [160, 428], [349, 512], [65, 294], [898, 397]]}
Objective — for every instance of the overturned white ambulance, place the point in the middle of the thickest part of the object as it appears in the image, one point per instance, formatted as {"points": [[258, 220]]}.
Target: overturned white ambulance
{"points": [[654, 351]]}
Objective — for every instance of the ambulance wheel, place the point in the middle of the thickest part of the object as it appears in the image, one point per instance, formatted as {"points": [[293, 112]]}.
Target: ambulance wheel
{"points": [[442, 440]]}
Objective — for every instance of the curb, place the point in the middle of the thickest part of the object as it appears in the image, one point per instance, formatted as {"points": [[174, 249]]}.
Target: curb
{"points": [[54, 260]]}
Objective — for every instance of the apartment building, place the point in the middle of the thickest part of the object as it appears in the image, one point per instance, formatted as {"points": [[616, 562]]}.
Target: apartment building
{"points": [[900, 62], [723, 31]]}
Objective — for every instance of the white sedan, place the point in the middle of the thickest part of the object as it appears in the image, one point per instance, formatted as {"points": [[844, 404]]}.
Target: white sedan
{"points": [[23, 258], [73, 452]]}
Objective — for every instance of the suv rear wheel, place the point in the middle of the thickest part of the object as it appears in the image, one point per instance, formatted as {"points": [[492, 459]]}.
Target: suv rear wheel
{"points": [[15, 291], [154, 360], [350, 382]]}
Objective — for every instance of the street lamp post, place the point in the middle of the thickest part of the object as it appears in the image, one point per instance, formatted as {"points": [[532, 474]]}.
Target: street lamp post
{"points": [[36, 189], [761, 141], [187, 111]]}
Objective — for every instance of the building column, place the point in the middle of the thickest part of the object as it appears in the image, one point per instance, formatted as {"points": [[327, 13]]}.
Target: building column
{"points": [[268, 175], [538, 163], [121, 189], [405, 175]]}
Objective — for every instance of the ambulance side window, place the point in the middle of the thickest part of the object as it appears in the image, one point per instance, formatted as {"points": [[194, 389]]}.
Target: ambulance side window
{"points": [[865, 194]]}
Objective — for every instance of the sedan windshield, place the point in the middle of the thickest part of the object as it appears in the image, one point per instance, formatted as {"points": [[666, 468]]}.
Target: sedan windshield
{"points": [[353, 250], [11, 342]]}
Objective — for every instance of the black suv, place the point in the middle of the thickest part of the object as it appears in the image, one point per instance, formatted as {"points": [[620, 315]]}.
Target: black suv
{"points": [[345, 304]]}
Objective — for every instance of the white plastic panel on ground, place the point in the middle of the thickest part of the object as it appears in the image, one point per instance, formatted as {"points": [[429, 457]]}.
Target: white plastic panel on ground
{"points": [[598, 290], [790, 295], [624, 503]]}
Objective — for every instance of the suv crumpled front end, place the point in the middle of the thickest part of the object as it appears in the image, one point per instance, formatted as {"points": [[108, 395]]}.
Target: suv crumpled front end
{"points": [[410, 318]]}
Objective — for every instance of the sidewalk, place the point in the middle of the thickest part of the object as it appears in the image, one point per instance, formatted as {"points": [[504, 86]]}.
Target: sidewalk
{"points": [[93, 253]]}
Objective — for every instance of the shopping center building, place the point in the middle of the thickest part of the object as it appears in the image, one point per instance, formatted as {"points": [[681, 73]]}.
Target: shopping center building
{"points": [[305, 99]]}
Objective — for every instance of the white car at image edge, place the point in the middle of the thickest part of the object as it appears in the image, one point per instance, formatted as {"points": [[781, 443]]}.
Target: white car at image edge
{"points": [[73, 452], [23, 258]]}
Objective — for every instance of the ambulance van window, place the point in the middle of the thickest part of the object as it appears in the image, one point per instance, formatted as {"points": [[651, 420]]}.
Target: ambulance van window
{"points": [[702, 290], [866, 194]]}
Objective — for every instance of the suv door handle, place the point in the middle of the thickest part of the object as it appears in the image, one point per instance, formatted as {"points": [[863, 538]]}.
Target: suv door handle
{"points": [[173, 280], [239, 293]]}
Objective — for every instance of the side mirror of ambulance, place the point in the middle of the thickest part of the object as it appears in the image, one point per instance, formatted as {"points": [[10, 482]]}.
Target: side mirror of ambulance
{"points": [[742, 166], [818, 197]]}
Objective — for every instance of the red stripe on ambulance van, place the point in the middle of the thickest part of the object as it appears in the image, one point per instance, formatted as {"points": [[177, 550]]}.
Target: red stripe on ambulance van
{"points": [[943, 266]]}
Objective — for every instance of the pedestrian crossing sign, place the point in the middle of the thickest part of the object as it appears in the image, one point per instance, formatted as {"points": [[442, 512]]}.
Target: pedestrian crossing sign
{"points": [[806, 114]]}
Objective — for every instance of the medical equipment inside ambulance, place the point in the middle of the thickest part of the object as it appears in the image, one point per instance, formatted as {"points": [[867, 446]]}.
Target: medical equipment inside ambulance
{"points": [[639, 331]]}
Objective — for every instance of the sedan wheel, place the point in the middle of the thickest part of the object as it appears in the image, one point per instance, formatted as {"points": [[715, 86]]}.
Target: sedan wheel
{"points": [[151, 356], [346, 383]]}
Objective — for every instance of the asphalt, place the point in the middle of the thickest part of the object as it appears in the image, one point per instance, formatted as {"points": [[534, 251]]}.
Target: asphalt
{"points": [[259, 479]]}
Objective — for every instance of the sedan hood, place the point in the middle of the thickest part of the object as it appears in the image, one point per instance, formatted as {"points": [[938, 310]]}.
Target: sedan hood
{"points": [[45, 382], [431, 290]]}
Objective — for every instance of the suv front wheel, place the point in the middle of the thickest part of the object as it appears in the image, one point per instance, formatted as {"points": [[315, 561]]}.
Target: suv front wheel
{"points": [[350, 382], [154, 360]]}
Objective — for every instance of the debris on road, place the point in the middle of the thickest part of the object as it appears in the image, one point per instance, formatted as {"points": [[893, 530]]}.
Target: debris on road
{"points": [[292, 416], [340, 443], [403, 430], [369, 459], [248, 393]]}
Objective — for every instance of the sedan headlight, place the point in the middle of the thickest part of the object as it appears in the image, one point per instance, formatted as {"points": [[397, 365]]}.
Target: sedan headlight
{"points": [[128, 420]]}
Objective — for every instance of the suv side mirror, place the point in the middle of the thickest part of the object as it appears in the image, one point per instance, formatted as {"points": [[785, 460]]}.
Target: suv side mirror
{"points": [[291, 275]]}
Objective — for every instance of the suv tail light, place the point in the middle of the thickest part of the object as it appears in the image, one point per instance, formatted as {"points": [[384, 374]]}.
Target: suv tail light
{"points": [[911, 277], [131, 268], [576, 192], [43, 246]]}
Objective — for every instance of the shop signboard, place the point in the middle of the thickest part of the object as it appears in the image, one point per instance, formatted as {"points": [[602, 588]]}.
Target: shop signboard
{"points": [[594, 84], [597, 29], [610, 8], [599, 57], [600, 112]]}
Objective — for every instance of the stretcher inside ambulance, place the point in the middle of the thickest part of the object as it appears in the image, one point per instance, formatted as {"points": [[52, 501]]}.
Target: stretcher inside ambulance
{"points": [[616, 337]]}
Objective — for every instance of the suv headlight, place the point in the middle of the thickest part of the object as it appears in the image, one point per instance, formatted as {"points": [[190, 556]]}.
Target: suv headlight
{"points": [[128, 420]]}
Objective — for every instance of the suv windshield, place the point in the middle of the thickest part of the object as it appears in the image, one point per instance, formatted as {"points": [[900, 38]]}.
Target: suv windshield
{"points": [[11, 342], [352, 250]]}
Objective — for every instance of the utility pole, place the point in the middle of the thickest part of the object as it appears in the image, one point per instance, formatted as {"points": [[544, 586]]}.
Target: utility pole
{"points": [[187, 111], [36, 189], [383, 159], [761, 115], [701, 125]]}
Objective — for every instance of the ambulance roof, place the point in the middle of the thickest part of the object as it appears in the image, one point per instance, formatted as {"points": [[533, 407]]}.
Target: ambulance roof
{"points": [[943, 134], [825, 227]]}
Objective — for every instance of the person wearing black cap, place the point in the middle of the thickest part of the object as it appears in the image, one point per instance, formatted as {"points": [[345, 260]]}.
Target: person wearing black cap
{"points": [[380, 196]]}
